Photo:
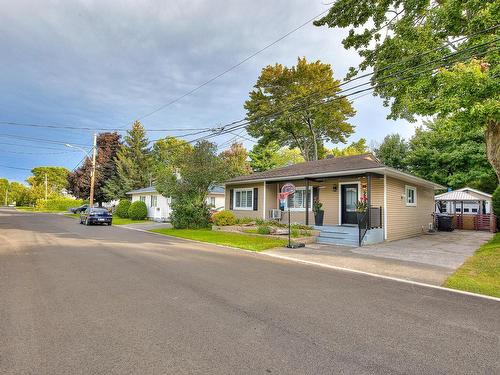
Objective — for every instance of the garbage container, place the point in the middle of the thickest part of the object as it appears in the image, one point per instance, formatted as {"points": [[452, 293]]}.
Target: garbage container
{"points": [[445, 222]]}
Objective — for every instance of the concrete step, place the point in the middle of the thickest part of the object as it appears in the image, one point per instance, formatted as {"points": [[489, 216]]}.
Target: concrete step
{"points": [[339, 235], [337, 229], [337, 241]]}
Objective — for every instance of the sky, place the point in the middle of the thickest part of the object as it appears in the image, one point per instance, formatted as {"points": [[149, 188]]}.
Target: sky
{"points": [[103, 64]]}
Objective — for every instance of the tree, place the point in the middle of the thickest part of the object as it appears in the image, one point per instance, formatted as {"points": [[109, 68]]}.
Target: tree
{"points": [[235, 161], [57, 179], [355, 148], [288, 156], [455, 159], [262, 156], [18, 194], [420, 69], [4, 187], [299, 107], [168, 153], [393, 151], [188, 185], [133, 164], [108, 145]]}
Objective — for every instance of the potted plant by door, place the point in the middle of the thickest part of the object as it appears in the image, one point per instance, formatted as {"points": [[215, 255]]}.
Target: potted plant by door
{"points": [[361, 207], [318, 212]]}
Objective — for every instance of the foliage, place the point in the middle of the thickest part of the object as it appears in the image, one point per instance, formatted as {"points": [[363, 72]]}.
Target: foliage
{"points": [[108, 145], [408, 46], [481, 272], [188, 185], [122, 208], [239, 240], [288, 156], [19, 194], [288, 106], [137, 210], [58, 204], [355, 148], [4, 186], [262, 156], [263, 229], [317, 205], [168, 154], [223, 218], [495, 202], [393, 151], [133, 164], [246, 220], [235, 160], [57, 179], [362, 204], [449, 157]]}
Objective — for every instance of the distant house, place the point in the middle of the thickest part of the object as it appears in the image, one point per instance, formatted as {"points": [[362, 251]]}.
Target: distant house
{"points": [[465, 200], [159, 206], [401, 205]]}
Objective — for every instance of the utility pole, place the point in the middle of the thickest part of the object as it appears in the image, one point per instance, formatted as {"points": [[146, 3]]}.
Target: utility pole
{"points": [[46, 186], [92, 176]]}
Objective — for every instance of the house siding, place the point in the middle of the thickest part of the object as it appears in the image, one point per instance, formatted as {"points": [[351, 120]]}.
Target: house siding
{"points": [[406, 221]]}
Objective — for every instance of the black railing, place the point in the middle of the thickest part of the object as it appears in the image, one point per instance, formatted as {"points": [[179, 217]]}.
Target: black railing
{"points": [[372, 218]]}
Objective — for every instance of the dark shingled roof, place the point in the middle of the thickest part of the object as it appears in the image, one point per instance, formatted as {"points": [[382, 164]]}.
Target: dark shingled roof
{"points": [[336, 164]]}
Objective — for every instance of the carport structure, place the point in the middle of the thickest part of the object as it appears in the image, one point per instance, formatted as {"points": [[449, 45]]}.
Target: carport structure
{"points": [[454, 202]]}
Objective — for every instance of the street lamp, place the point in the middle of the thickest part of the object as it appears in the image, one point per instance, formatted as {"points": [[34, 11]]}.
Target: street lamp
{"points": [[92, 175]]}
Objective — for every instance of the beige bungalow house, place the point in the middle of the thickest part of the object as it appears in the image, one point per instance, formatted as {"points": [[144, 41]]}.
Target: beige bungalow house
{"points": [[400, 204]]}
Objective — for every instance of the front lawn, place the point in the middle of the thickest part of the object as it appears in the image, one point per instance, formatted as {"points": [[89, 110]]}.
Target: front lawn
{"points": [[481, 272], [242, 241]]}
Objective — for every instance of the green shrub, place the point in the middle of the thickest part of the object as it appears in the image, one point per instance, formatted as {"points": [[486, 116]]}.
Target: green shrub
{"points": [[295, 232], [122, 208], [259, 221], [223, 218], [57, 204], [263, 229], [245, 220], [138, 211], [301, 226], [186, 215]]}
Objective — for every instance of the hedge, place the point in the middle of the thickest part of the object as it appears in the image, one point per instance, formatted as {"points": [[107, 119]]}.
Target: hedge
{"points": [[122, 208], [223, 218], [57, 204]]}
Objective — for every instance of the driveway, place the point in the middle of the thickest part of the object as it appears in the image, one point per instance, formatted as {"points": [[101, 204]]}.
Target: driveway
{"points": [[429, 258], [109, 300]]}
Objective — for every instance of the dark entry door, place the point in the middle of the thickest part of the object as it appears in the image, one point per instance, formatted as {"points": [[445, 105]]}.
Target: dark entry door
{"points": [[349, 198]]}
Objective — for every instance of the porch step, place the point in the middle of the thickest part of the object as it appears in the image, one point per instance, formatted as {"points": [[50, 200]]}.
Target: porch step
{"points": [[337, 229], [338, 235], [338, 241]]}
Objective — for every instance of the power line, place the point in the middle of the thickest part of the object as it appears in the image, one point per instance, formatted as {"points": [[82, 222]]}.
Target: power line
{"points": [[39, 139], [21, 169], [33, 146]]}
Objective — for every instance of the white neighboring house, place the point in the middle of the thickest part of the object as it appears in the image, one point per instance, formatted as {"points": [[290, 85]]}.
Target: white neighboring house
{"points": [[159, 206], [472, 202]]}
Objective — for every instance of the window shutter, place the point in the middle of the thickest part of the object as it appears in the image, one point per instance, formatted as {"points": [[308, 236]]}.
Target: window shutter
{"points": [[231, 197], [255, 199]]}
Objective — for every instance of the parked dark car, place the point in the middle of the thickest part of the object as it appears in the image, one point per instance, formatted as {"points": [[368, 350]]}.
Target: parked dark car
{"points": [[77, 210], [96, 216]]}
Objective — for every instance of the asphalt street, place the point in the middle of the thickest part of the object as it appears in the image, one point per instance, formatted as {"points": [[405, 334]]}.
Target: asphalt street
{"points": [[108, 300]]}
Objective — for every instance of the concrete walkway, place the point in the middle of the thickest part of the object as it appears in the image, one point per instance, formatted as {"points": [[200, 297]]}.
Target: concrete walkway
{"points": [[429, 258]]}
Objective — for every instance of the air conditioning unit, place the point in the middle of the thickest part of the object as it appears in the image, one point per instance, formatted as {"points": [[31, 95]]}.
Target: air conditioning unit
{"points": [[275, 214]]}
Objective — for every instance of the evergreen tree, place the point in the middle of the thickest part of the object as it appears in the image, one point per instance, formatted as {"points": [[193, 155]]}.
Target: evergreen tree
{"points": [[133, 164], [393, 151]]}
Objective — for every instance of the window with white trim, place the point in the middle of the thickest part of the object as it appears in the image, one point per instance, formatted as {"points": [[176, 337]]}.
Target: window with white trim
{"points": [[243, 199], [298, 200], [212, 201], [142, 198], [411, 195], [154, 201]]}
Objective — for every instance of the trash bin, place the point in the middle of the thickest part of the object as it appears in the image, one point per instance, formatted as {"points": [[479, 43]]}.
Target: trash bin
{"points": [[445, 222]]}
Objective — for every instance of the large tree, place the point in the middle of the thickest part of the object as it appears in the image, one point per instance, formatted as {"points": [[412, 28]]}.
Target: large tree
{"points": [[188, 185], [393, 151], [134, 167], [269, 156], [108, 145], [454, 159], [168, 153], [19, 194], [422, 55], [299, 107], [235, 160], [4, 187], [56, 177], [355, 148]]}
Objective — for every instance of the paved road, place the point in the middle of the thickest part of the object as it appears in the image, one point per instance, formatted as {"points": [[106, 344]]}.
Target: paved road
{"points": [[101, 300]]}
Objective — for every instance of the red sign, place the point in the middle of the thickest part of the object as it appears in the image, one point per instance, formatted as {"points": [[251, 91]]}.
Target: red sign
{"points": [[288, 188]]}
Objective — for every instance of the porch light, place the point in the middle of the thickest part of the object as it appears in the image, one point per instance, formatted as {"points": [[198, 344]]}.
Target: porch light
{"points": [[334, 187]]}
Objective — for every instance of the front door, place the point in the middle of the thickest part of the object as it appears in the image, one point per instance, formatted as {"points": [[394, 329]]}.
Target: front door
{"points": [[348, 199]]}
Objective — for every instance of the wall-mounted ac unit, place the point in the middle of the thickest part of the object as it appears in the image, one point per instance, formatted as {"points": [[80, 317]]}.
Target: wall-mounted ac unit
{"points": [[275, 214]]}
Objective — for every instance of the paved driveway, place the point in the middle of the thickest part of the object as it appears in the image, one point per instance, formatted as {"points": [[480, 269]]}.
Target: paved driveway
{"points": [[429, 258]]}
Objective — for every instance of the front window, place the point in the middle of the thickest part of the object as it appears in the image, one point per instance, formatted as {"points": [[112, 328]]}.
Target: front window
{"points": [[243, 199], [411, 196], [142, 198], [212, 201], [298, 200], [154, 201]]}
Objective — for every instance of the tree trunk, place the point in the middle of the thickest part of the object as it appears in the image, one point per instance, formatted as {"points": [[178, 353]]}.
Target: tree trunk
{"points": [[493, 145]]}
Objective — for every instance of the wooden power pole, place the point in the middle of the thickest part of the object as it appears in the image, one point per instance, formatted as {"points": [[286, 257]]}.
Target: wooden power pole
{"points": [[92, 176]]}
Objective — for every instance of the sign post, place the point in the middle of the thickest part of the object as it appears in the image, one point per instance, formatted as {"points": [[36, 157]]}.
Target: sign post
{"points": [[286, 191]]}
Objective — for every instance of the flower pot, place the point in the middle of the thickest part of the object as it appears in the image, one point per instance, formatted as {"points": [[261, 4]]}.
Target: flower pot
{"points": [[318, 217]]}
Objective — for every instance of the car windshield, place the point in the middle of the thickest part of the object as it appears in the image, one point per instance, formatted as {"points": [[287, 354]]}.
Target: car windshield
{"points": [[99, 211]]}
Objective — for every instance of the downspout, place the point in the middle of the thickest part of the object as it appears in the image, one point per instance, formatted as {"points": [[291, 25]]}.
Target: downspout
{"points": [[264, 203], [385, 207]]}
